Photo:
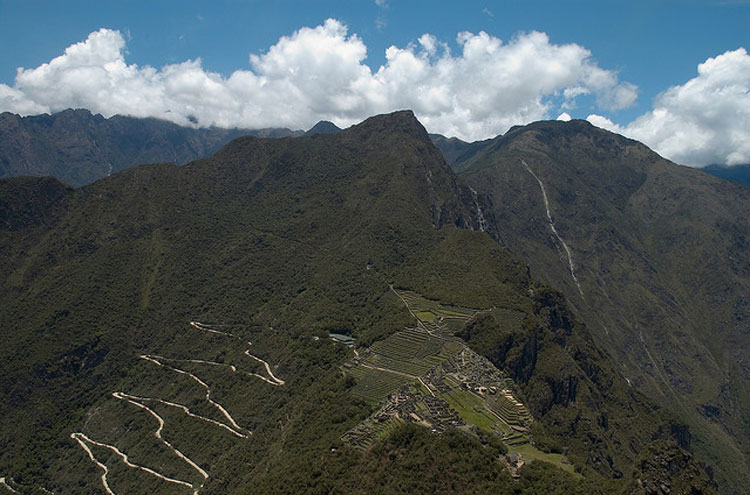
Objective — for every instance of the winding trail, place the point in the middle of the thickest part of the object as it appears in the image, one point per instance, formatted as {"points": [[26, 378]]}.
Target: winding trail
{"points": [[274, 380], [183, 408], [77, 437], [84, 442], [156, 360], [131, 399], [141, 402], [6, 485], [571, 266]]}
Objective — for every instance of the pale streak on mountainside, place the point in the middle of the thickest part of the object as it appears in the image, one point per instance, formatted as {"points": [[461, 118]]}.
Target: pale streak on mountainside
{"points": [[6, 485], [554, 230], [480, 214]]}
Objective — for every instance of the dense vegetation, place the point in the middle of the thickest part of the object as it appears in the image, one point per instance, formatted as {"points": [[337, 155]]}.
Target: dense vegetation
{"points": [[283, 241], [660, 254]]}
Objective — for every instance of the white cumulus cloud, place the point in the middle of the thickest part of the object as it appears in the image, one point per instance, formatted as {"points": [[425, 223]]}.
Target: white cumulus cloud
{"points": [[706, 120], [320, 73]]}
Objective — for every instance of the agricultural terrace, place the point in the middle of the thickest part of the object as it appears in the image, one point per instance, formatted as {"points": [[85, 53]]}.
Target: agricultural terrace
{"points": [[426, 375]]}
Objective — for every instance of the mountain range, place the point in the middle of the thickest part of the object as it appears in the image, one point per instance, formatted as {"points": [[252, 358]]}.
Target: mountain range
{"points": [[306, 314], [79, 148]]}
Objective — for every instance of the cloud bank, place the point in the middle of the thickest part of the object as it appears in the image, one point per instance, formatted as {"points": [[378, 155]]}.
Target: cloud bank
{"points": [[706, 120], [319, 73]]}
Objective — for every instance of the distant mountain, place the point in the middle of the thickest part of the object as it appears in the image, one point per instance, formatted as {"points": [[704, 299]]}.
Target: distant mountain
{"points": [[653, 256], [79, 148], [455, 150], [323, 127], [166, 330], [736, 173]]}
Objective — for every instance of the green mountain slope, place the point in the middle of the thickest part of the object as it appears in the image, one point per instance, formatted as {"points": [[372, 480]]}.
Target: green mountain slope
{"points": [[79, 148], [166, 330], [651, 255]]}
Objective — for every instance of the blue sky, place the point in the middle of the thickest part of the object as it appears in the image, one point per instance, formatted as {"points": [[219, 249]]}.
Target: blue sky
{"points": [[647, 47]]}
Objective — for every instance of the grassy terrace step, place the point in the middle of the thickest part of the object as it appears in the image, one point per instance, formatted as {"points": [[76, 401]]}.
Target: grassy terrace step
{"points": [[472, 410], [401, 345], [510, 412], [362, 437], [410, 367], [453, 325], [374, 385], [516, 439]]}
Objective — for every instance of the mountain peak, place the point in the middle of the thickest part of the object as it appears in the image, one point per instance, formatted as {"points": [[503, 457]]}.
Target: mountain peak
{"points": [[403, 121], [323, 127]]}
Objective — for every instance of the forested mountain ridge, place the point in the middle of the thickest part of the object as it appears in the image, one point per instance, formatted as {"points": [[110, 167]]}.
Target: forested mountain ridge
{"points": [[187, 309], [79, 148], [653, 257]]}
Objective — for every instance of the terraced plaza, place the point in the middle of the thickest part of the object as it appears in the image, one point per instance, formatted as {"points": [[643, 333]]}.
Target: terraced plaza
{"points": [[426, 375]]}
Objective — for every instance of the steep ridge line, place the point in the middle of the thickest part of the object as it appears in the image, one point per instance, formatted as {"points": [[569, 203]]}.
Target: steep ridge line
{"points": [[554, 230], [657, 369], [83, 440], [158, 431]]}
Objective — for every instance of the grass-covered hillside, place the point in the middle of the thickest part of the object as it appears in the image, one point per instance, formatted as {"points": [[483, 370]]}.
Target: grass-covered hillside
{"points": [[167, 330]]}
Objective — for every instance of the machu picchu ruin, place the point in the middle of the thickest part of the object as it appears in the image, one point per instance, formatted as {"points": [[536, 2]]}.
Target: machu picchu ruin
{"points": [[425, 374]]}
